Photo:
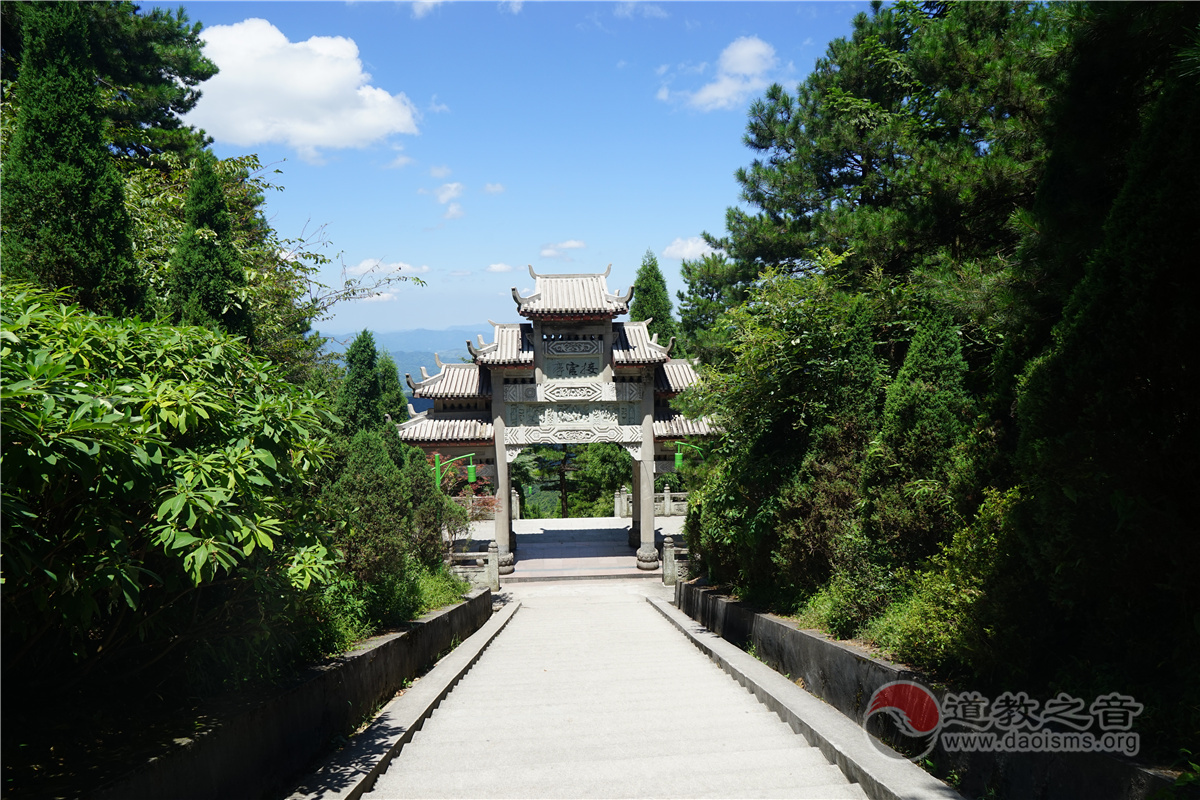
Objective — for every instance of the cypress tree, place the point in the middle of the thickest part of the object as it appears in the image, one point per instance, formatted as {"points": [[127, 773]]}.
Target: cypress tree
{"points": [[359, 399], [205, 269], [64, 220], [391, 394], [906, 479], [651, 301]]}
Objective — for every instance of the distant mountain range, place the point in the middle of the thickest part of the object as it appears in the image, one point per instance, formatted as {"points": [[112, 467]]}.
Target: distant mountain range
{"points": [[414, 349]]}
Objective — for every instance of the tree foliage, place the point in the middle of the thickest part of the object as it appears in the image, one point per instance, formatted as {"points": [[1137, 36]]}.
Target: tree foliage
{"points": [[141, 462], [949, 350], [63, 209], [651, 299], [205, 271], [358, 401], [148, 67]]}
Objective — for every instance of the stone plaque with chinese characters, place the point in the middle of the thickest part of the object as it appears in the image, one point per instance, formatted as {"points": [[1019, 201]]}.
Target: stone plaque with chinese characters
{"points": [[572, 368]]}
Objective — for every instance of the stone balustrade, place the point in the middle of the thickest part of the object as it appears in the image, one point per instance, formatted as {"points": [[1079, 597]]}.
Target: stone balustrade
{"points": [[666, 503], [674, 562], [481, 569]]}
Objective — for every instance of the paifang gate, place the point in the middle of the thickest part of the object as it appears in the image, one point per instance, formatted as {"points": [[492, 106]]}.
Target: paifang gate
{"points": [[570, 375]]}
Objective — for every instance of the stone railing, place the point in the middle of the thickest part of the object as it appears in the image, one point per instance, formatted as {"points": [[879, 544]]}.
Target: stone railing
{"points": [[666, 503], [481, 569], [675, 562], [484, 506]]}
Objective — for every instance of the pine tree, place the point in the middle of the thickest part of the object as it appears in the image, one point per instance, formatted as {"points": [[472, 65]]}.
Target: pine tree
{"points": [[64, 220], [392, 399], [358, 402], [205, 270], [651, 300]]}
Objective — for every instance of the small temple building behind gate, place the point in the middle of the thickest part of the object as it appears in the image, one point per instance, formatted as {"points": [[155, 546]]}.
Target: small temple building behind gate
{"points": [[570, 375]]}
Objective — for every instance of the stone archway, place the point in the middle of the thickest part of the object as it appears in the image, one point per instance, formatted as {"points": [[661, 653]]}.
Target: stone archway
{"points": [[571, 375]]}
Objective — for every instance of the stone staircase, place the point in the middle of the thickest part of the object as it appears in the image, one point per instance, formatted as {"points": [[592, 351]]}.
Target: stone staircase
{"points": [[589, 692]]}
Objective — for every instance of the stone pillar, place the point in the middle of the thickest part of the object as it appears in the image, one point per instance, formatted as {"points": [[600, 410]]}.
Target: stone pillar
{"points": [[669, 561], [503, 489], [635, 509], [647, 554], [667, 511], [515, 504], [493, 567]]}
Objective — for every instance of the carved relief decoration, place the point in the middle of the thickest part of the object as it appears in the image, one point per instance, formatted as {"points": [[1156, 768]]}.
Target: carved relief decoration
{"points": [[573, 348], [635, 449], [629, 392], [574, 415], [515, 393], [557, 393], [552, 435], [511, 453]]}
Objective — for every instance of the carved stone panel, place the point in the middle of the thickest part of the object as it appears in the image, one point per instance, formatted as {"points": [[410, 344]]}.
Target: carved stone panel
{"points": [[573, 368], [576, 415], [628, 392], [557, 393], [573, 435], [516, 393], [511, 452], [573, 348]]}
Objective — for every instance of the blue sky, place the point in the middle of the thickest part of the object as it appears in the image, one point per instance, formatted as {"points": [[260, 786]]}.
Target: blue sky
{"points": [[461, 141]]}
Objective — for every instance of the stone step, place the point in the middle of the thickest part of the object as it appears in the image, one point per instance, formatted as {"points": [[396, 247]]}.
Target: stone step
{"points": [[624, 778], [517, 749]]}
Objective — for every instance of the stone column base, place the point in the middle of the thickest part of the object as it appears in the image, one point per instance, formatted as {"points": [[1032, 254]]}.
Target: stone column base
{"points": [[507, 562], [647, 558]]}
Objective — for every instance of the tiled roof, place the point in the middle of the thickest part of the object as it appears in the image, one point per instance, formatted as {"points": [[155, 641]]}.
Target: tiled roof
{"points": [[512, 343], [633, 345], [455, 380], [571, 296], [670, 424], [674, 376], [425, 429]]}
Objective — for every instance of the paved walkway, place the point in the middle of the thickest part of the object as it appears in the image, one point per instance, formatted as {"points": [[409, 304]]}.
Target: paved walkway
{"points": [[594, 547], [589, 692]]}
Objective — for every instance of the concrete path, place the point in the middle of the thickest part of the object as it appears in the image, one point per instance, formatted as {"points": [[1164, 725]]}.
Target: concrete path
{"points": [[589, 692], [593, 547]]}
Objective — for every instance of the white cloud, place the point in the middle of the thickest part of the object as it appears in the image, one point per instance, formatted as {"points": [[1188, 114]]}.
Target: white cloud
{"points": [[741, 71], [421, 8], [501, 267], [377, 266], [437, 108], [453, 211], [379, 297], [439, 172], [691, 248], [558, 250], [448, 191], [493, 188], [399, 161], [647, 10], [663, 93], [309, 95], [512, 6]]}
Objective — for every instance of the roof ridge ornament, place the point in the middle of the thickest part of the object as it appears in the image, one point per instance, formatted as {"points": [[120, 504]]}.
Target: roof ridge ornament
{"points": [[438, 361], [411, 385], [533, 274]]}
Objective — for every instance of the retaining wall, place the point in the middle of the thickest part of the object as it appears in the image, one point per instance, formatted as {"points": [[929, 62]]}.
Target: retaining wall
{"points": [[846, 677], [261, 748]]}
